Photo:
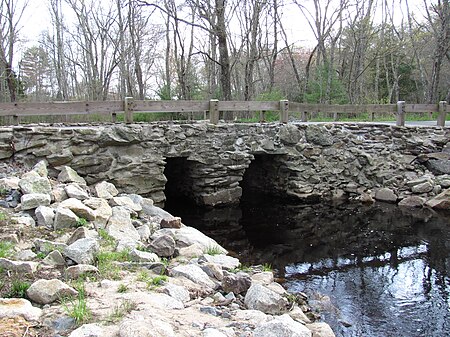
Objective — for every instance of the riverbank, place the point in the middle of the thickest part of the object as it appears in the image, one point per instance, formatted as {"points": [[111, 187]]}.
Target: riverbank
{"points": [[79, 260]]}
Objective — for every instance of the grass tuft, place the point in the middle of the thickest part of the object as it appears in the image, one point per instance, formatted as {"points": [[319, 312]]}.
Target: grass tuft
{"points": [[213, 250], [6, 249]]}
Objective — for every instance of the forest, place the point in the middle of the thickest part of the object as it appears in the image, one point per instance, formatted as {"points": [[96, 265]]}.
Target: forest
{"points": [[361, 51]]}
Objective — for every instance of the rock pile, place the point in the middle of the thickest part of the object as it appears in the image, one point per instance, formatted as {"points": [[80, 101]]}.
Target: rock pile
{"points": [[101, 263]]}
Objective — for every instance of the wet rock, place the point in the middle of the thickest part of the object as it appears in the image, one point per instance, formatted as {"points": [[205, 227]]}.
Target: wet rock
{"points": [[282, 326], [74, 272], [106, 190], [226, 262], [320, 329], [261, 298], [82, 251], [413, 201], [34, 200], [195, 274], [120, 227], [386, 194], [68, 175], [64, 218], [32, 182], [13, 307], [163, 246], [441, 201], [237, 283], [45, 216], [75, 191], [26, 267], [48, 291]]}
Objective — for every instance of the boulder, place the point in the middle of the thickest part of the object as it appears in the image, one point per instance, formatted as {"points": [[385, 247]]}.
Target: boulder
{"points": [[126, 202], [69, 175], [179, 293], [141, 256], [210, 332], [195, 274], [187, 236], [264, 278], [46, 246], [173, 222], [120, 227], [105, 190], [48, 291], [45, 216], [441, 201], [54, 258], [9, 183], [226, 262], [413, 201], [74, 272], [192, 251], [213, 270], [443, 180], [237, 283], [41, 168], [34, 200], [75, 191], [386, 194], [422, 188], [102, 211], [145, 327], [261, 298], [32, 182], [65, 218], [13, 307], [163, 246], [26, 267], [144, 233], [79, 208], [81, 233], [282, 326], [320, 329], [89, 330], [82, 251]]}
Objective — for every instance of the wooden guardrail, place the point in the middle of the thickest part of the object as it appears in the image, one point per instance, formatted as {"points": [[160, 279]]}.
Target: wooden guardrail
{"points": [[212, 109]]}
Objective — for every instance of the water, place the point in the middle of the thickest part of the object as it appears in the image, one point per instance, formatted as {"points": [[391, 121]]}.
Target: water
{"points": [[371, 271]]}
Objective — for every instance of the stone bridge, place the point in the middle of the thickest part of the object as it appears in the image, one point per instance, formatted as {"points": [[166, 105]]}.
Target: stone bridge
{"points": [[212, 164]]}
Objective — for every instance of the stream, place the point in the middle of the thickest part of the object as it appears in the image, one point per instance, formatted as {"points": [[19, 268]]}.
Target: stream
{"points": [[369, 270]]}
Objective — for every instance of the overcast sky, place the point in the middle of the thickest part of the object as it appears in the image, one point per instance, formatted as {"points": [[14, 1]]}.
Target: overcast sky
{"points": [[37, 19]]}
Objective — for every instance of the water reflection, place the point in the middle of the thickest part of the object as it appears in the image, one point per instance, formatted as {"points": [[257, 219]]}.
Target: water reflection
{"points": [[384, 270]]}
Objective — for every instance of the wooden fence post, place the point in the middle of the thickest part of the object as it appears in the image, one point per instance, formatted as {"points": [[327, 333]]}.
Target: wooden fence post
{"points": [[335, 116], [16, 120], [128, 108], [284, 111], [214, 111], [262, 116], [442, 113], [401, 113], [304, 117]]}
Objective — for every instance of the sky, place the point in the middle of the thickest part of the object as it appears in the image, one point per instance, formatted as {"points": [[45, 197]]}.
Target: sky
{"points": [[37, 19]]}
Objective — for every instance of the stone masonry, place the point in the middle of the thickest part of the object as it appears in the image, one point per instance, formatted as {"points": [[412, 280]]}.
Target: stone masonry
{"points": [[310, 161]]}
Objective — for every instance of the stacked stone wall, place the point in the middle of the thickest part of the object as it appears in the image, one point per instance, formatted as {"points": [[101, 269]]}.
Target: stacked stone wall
{"points": [[313, 160]]}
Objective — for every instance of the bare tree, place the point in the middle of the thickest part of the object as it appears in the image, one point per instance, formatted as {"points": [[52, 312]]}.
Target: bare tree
{"points": [[10, 16]]}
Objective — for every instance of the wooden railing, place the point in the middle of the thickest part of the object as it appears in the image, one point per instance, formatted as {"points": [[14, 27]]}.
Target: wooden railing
{"points": [[211, 109]]}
